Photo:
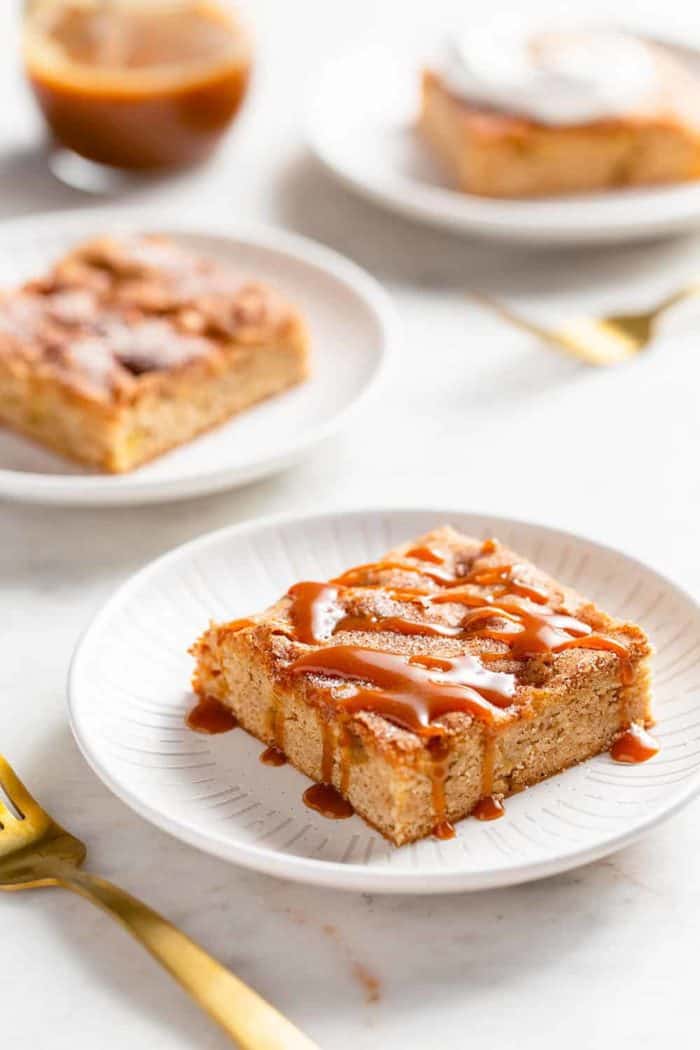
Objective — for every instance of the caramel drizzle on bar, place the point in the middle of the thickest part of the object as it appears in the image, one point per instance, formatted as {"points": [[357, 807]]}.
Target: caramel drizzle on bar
{"points": [[528, 625], [414, 692]]}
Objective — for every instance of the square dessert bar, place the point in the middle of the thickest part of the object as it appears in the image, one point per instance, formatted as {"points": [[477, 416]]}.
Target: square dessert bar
{"points": [[130, 346], [432, 683], [499, 154]]}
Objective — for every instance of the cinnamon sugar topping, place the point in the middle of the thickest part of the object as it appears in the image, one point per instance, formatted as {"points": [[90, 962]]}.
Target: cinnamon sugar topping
{"points": [[118, 308]]}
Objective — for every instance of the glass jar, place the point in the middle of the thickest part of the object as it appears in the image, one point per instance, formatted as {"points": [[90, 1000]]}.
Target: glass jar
{"points": [[138, 85]]}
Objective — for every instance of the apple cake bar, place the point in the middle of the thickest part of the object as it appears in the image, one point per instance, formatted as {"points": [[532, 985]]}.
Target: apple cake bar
{"points": [[431, 684], [130, 346]]}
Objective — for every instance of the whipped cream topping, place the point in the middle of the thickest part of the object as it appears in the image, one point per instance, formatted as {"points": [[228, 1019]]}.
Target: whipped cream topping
{"points": [[552, 76]]}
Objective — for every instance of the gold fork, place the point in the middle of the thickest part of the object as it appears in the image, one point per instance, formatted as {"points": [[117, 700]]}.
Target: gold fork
{"points": [[35, 851], [596, 340]]}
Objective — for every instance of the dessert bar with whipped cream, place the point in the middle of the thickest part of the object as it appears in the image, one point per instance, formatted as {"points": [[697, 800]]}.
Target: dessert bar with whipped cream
{"points": [[513, 110]]}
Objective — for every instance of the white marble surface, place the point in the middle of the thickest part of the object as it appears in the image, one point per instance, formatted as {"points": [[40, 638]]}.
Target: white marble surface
{"points": [[474, 416]]}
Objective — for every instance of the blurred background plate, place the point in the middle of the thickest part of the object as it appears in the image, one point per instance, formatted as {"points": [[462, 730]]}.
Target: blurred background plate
{"points": [[361, 127], [351, 321]]}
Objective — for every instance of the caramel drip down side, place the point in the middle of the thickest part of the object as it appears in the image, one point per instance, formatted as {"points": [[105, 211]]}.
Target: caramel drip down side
{"points": [[210, 716], [314, 611], [488, 807], [488, 762], [272, 756], [325, 798], [328, 802], [345, 749], [326, 753], [439, 754], [634, 745], [275, 723], [444, 830]]}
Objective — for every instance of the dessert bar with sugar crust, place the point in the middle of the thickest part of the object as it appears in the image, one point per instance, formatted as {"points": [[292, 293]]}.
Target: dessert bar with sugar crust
{"points": [[132, 345], [498, 154], [433, 682]]}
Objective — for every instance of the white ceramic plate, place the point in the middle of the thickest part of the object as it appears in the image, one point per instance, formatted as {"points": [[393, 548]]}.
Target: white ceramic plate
{"points": [[129, 696], [361, 127], [351, 321]]}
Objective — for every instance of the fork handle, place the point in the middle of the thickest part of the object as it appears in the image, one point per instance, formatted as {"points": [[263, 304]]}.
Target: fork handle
{"points": [[688, 292], [252, 1022]]}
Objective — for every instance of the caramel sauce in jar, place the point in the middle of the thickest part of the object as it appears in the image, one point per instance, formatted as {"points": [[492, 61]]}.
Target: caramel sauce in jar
{"points": [[143, 86]]}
